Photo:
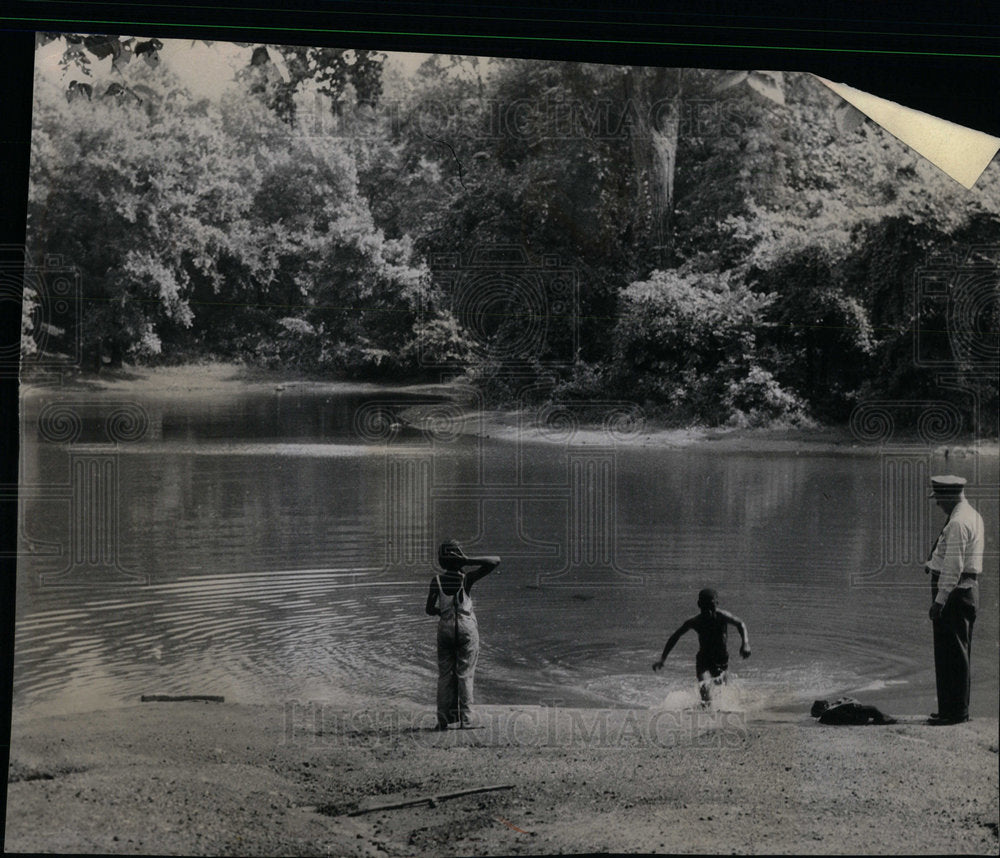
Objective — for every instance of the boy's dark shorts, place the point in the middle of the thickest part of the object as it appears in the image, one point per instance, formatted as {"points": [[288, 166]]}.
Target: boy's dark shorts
{"points": [[715, 666]]}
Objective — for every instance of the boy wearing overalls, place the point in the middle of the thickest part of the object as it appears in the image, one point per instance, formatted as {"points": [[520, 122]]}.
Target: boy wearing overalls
{"points": [[458, 633]]}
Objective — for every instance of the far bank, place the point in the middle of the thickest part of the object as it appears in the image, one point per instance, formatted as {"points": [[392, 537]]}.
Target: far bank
{"points": [[617, 423]]}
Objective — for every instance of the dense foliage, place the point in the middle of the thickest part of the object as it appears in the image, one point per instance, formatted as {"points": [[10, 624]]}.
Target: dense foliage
{"points": [[721, 248]]}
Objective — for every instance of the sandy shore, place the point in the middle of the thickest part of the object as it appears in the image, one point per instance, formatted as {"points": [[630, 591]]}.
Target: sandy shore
{"points": [[227, 779]]}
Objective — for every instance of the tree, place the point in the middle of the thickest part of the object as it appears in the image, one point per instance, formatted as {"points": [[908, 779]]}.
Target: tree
{"points": [[214, 226], [277, 74], [686, 343], [102, 199]]}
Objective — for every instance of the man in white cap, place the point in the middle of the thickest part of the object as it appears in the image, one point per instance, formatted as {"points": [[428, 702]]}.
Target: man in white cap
{"points": [[955, 564]]}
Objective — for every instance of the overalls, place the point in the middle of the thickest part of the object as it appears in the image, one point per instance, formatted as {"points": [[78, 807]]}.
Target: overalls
{"points": [[458, 650]]}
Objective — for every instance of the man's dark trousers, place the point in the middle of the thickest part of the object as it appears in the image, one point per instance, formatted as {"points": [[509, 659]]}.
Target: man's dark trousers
{"points": [[952, 651]]}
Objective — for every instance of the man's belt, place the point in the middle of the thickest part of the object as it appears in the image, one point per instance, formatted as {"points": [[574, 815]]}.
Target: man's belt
{"points": [[965, 576]]}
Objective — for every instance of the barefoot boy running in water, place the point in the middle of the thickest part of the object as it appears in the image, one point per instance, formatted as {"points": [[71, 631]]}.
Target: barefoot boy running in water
{"points": [[712, 659]]}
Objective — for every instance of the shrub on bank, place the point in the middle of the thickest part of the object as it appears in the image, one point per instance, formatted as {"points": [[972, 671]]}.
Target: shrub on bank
{"points": [[686, 343]]}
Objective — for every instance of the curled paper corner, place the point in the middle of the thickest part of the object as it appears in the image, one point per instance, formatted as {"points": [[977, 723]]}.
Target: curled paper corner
{"points": [[963, 153]]}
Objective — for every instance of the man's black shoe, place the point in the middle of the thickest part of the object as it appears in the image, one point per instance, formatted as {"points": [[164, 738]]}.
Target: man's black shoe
{"points": [[946, 722]]}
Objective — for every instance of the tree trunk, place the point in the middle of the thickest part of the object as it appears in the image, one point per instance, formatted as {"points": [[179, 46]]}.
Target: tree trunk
{"points": [[654, 135], [117, 354], [664, 165]]}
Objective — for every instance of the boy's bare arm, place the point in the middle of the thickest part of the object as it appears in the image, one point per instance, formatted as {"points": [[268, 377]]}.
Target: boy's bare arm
{"points": [[671, 642], [431, 607], [744, 634], [484, 565]]}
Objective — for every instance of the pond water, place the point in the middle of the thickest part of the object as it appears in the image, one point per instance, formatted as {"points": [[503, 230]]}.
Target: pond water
{"points": [[278, 545]]}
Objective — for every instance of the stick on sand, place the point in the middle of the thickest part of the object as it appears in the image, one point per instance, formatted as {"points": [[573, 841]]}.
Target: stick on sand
{"points": [[180, 698], [429, 799]]}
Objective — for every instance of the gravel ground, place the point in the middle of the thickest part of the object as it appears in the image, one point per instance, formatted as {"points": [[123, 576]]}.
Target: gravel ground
{"points": [[226, 779]]}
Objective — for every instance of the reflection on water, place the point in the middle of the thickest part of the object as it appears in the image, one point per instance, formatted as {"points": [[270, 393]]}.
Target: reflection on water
{"points": [[286, 548]]}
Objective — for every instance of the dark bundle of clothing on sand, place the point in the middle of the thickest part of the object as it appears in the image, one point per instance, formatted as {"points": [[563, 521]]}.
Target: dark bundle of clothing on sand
{"points": [[848, 711]]}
